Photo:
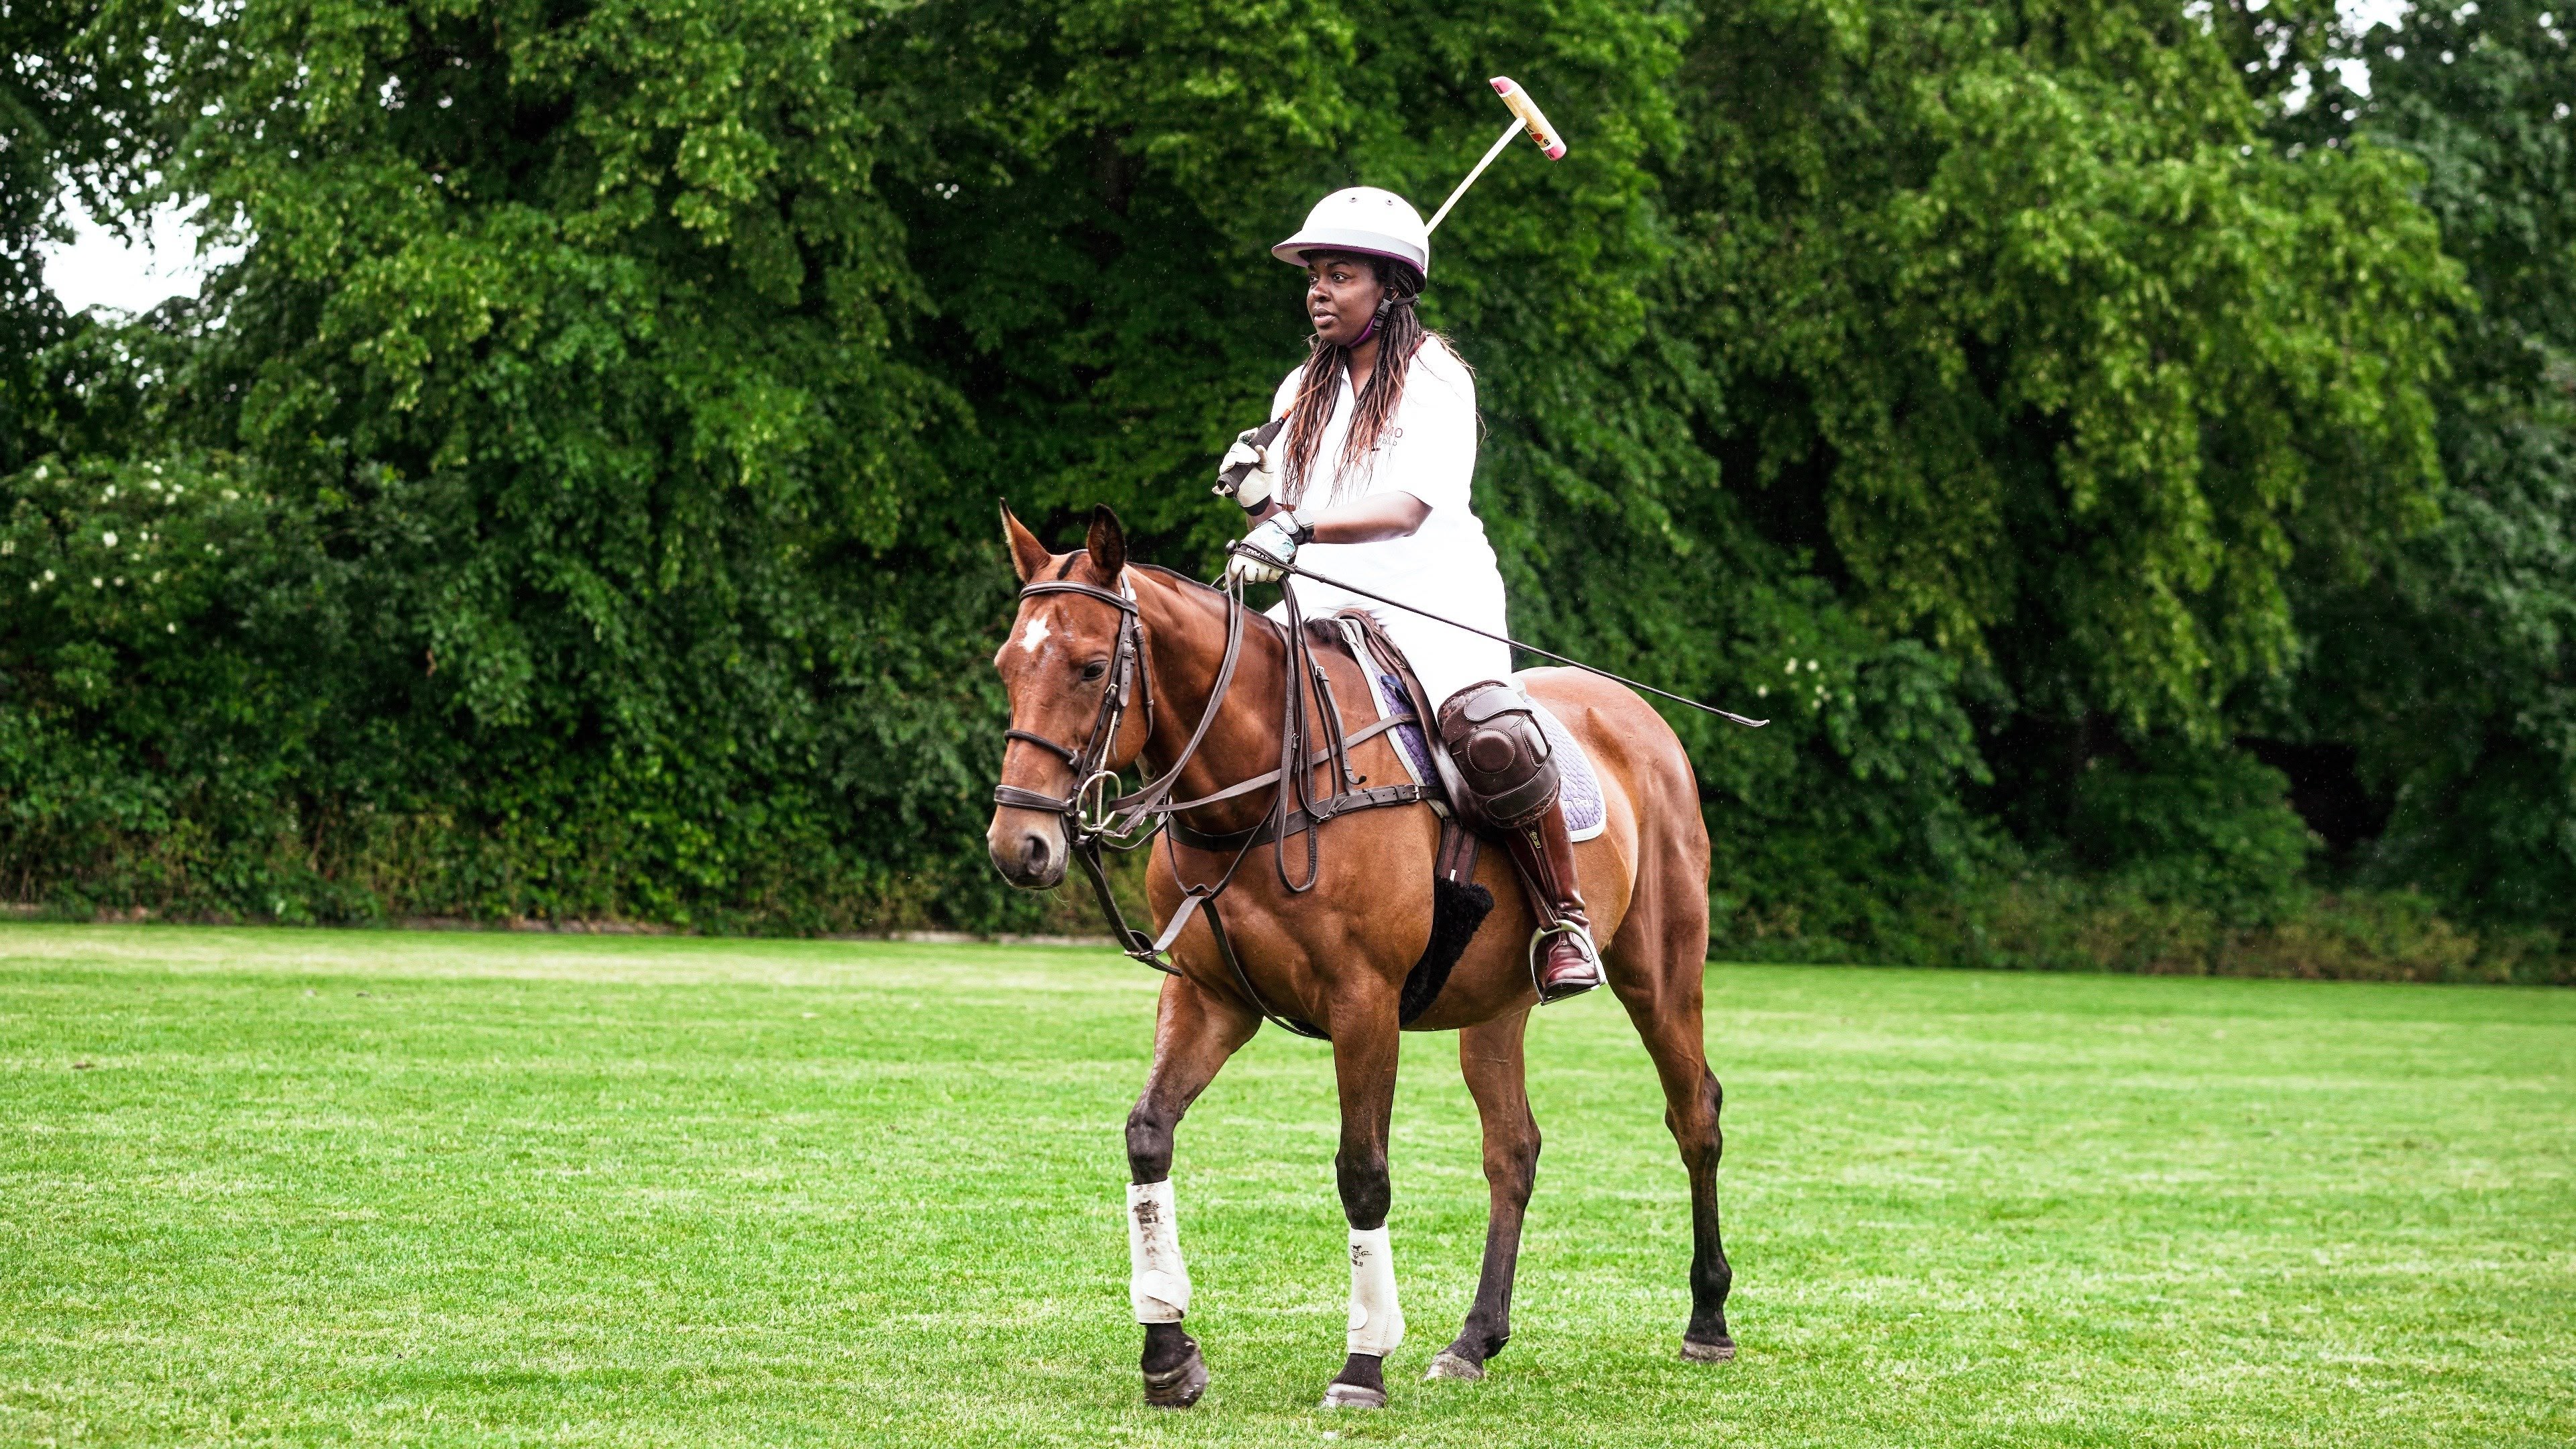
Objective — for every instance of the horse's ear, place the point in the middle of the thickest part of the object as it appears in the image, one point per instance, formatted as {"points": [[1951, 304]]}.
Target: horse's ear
{"points": [[1029, 557], [1108, 545]]}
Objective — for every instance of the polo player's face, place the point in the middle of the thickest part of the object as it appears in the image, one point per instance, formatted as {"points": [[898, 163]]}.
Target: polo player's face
{"points": [[1342, 294], [1055, 666]]}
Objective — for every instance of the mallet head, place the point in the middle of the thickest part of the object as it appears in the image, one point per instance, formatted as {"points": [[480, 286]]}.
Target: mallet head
{"points": [[1531, 116]]}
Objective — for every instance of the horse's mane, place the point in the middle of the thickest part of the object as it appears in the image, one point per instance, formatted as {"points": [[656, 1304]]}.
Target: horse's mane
{"points": [[1210, 592], [1176, 576], [1188, 585]]}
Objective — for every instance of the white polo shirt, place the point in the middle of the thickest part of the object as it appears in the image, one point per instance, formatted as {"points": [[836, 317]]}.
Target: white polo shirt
{"points": [[1428, 450]]}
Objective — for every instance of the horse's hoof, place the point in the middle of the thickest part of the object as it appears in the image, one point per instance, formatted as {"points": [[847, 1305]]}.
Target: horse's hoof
{"points": [[1179, 1386], [1450, 1366], [1352, 1396], [1722, 1351]]}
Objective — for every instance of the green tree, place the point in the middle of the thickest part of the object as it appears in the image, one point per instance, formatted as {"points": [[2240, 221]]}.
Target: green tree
{"points": [[562, 353], [600, 434], [2009, 326], [2452, 668]]}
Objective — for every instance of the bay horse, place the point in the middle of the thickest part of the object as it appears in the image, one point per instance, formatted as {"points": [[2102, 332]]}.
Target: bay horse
{"points": [[1337, 955]]}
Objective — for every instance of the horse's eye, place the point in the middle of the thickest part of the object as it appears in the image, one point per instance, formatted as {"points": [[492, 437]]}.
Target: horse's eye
{"points": [[1094, 670]]}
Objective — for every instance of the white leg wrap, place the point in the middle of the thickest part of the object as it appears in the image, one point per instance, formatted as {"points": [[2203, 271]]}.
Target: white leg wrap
{"points": [[1377, 1323], [1158, 1283]]}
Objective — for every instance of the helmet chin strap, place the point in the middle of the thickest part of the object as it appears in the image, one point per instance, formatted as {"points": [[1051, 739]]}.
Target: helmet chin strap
{"points": [[1384, 305]]}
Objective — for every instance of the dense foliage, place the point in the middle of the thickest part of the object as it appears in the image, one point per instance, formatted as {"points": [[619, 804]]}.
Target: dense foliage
{"points": [[2449, 673], [2089, 428]]}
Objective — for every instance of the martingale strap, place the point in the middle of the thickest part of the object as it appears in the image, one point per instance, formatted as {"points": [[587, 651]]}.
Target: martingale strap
{"points": [[1129, 822]]}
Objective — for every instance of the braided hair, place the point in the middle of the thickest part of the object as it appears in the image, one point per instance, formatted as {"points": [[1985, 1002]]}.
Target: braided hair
{"points": [[1400, 335]]}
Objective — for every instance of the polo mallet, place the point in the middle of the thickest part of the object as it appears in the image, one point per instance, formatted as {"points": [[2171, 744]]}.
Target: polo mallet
{"points": [[1526, 116]]}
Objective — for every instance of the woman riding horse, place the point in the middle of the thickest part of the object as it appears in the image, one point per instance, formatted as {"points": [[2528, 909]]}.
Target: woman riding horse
{"points": [[1111, 664], [1368, 484]]}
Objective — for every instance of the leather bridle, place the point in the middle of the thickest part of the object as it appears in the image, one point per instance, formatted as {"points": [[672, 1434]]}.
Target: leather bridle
{"points": [[1093, 820], [1128, 680]]}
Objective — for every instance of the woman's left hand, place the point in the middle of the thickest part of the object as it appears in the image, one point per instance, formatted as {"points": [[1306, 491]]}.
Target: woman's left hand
{"points": [[1275, 540]]}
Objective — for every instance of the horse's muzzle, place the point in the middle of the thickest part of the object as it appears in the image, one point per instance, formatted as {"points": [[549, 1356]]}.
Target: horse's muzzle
{"points": [[1028, 849]]}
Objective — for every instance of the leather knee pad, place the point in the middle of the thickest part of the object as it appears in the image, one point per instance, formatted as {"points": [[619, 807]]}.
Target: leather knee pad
{"points": [[1492, 734]]}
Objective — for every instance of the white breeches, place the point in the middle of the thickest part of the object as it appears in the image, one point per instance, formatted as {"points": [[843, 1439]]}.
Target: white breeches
{"points": [[1447, 660]]}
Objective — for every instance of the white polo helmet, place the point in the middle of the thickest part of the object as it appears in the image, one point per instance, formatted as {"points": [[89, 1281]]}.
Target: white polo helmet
{"points": [[1361, 219]]}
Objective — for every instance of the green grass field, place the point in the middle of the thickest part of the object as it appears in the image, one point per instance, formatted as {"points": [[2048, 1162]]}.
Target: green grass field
{"points": [[310, 1187]]}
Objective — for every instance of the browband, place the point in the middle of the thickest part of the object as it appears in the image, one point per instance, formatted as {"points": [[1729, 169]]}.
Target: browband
{"points": [[1069, 586]]}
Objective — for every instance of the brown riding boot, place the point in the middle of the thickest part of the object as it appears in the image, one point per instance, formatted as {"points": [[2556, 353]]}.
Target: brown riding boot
{"points": [[1563, 959]]}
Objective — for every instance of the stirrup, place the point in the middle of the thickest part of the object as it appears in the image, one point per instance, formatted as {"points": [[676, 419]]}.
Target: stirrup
{"points": [[1591, 952]]}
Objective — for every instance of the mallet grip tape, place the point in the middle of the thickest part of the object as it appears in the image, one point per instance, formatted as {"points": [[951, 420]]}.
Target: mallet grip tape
{"points": [[1531, 116], [1268, 433]]}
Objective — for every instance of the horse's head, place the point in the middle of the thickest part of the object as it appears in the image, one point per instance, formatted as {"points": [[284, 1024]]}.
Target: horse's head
{"points": [[1060, 667]]}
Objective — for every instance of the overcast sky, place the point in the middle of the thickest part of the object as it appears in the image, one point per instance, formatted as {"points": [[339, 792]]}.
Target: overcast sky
{"points": [[98, 269]]}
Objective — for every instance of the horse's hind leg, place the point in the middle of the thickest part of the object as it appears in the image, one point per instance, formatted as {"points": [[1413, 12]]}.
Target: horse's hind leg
{"points": [[1657, 967], [1194, 1034], [1490, 1055]]}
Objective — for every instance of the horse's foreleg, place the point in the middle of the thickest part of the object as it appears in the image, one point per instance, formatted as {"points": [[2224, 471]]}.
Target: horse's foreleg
{"points": [[1364, 1057], [1194, 1034], [1490, 1056]]}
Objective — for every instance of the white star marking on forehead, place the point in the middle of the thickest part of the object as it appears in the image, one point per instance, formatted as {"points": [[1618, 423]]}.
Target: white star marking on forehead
{"points": [[1035, 634]]}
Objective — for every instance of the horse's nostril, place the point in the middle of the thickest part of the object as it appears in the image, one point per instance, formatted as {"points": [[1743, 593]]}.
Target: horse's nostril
{"points": [[1034, 852]]}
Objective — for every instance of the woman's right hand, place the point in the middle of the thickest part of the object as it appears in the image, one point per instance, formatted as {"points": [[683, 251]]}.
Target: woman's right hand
{"points": [[1249, 472]]}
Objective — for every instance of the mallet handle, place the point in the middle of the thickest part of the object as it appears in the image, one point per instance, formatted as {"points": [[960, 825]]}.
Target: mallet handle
{"points": [[1238, 549], [1496, 149]]}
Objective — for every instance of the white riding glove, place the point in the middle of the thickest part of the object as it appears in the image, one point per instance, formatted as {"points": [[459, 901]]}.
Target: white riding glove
{"points": [[1275, 540], [1258, 482]]}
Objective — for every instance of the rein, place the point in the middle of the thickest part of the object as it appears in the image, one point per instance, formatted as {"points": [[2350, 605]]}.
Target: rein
{"points": [[1094, 820]]}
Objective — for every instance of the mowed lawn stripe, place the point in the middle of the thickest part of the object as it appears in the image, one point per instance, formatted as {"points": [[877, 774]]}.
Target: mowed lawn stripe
{"points": [[391, 1188]]}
